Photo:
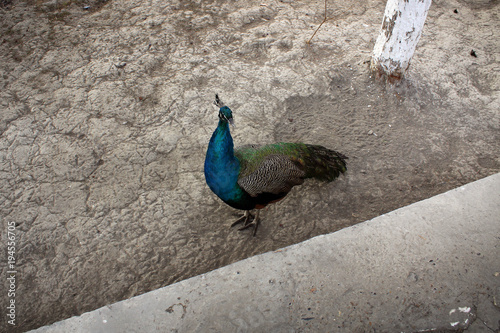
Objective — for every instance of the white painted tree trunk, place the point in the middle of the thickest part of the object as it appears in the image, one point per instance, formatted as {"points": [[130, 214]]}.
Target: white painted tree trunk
{"points": [[401, 29]]}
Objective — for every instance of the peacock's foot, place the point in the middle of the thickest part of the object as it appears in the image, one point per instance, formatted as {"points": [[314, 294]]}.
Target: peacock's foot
{"points": [[248, 222], [245, 218]]}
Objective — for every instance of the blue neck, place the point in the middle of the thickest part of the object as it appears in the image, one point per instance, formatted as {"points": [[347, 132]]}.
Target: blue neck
{"points": [[221, 166]]}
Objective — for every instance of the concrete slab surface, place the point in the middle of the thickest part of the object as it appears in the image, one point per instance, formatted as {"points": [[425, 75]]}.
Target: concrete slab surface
{"points": [[431, 266]]}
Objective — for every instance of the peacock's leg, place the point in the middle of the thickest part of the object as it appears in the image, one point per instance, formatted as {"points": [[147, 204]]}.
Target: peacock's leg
{"points": [[255, 223], [245, 218], [248, 222]]}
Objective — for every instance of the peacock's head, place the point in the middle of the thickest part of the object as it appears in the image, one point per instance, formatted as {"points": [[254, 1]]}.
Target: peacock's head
{"points": [[225, 114]]}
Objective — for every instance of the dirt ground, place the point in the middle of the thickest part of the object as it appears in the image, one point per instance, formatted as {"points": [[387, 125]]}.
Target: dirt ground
{"points": [[106, 113]]}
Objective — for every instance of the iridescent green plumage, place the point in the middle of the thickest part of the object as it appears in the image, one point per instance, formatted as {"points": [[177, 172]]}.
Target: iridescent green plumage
{"points": [[253, 176], [317, 161]]}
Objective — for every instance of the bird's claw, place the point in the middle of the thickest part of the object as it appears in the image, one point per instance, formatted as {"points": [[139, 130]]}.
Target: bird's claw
{"points": [[255, 224], [248, 221], [245, 218]]}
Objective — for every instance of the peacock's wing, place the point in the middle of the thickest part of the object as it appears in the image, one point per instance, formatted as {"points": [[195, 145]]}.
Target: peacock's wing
{"points": [[271, 169]]}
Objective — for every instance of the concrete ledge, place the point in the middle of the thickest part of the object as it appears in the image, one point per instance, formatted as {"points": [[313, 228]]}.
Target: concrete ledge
{"points": [[433, 265]]}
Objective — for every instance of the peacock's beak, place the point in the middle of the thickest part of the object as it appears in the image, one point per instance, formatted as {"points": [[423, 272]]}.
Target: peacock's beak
{"points": [[231, 121]]}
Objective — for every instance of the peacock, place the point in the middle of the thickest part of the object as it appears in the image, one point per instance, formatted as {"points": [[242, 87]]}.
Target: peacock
{"points": [[253, 176]]}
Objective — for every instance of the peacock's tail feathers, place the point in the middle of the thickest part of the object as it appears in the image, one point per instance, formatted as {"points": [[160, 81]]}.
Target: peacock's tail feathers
{"points": [[276, 168], [323, 163]]}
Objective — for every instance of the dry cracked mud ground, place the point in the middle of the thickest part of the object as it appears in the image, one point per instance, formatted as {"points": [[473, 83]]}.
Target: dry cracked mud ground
{"points": [[106, 112]]}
